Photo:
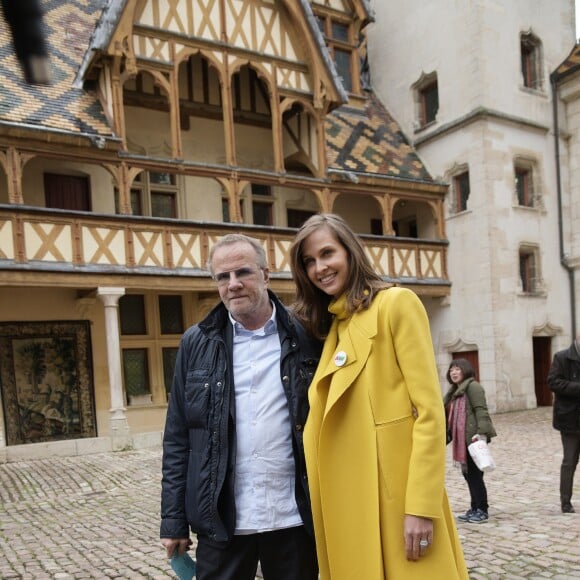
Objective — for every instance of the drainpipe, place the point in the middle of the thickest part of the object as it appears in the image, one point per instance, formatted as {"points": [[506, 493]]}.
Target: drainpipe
{"points": [[563, 259]]}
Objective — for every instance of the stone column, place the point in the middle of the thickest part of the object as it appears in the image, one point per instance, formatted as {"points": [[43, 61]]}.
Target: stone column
{"points": [[120, 434]]}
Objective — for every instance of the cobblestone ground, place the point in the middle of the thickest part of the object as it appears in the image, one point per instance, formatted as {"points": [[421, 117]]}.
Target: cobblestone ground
{"points": [[97, 516]]}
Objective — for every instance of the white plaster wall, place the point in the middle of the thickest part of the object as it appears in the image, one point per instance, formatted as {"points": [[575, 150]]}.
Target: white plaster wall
{"points": [[570, 123], [202, 199], [359, 210], [473, 45], [101, 182]]}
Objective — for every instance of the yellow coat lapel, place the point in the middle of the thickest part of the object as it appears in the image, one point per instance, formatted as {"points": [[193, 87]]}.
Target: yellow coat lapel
{"points": [[354, 340]]}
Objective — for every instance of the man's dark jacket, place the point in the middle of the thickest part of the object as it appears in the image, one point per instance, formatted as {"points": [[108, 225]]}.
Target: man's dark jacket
{"points": [[564, 380], [199, 442]]}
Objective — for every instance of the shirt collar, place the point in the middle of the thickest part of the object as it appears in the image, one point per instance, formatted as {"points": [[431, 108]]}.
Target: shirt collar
{"points": [[270, 327]]}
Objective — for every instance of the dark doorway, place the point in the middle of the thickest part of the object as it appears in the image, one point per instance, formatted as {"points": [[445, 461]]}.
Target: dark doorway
{"points": [[296, 217], [472, 356], [542, 360], [67, 192]]}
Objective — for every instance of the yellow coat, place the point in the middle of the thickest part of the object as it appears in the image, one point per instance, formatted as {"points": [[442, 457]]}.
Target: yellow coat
{"points": [[375, 446]]}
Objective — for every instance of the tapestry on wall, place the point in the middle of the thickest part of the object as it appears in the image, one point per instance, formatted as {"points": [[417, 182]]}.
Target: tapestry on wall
{"points": [[46, 381]]}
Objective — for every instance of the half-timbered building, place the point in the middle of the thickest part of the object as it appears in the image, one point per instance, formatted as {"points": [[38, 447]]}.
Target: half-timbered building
{"points": [[168, 124]]}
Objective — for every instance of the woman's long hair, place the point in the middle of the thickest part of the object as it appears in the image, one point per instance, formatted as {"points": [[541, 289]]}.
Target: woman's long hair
{"points": [[362, 283]]}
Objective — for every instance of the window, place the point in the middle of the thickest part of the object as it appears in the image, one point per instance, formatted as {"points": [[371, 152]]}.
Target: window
{"points": [[169, 357], [151, 327], [406, 227], [153, 194], [524, 186], [427, 99], [132, 314], [338, 35], [136, 374], [460, 191], [531, 61], [262, 213], [226, 209], [171, 314], [296, 217], [67, 192], [342, 60], [376, 226], [262, 203], [527, 192], [429, 103], [529, 270]]}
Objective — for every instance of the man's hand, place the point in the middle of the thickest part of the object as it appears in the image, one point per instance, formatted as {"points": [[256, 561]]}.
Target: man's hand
{"points": [[418, 536], [179, 544]]}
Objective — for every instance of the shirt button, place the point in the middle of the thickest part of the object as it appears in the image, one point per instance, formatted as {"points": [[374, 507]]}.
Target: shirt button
{"points": [[298, 427], [285, 378]]}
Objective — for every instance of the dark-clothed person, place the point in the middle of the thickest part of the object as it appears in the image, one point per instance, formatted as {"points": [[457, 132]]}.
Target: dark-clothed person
{"points": [[233, 460], [564, 381]]}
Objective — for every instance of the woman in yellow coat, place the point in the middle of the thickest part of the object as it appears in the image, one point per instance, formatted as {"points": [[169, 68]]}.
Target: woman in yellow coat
{"points": [[375, 436]]}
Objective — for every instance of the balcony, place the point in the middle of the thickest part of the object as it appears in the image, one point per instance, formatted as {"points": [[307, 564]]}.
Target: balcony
{"points": [[46, 246]]}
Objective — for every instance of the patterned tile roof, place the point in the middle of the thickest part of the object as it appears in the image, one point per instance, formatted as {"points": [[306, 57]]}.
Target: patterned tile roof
{"points": [[370, 141], [571, 63], [57, 106], [358, 140]]}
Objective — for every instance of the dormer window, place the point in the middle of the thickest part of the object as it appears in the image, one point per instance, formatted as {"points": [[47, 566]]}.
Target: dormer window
{"points": [[339, 36]]}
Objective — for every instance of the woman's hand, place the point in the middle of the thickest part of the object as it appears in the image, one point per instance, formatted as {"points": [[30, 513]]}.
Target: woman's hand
{"points": [[418, 536]]}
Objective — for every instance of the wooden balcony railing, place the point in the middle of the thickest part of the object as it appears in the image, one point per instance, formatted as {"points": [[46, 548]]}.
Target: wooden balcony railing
{"points": [[46, 240]]}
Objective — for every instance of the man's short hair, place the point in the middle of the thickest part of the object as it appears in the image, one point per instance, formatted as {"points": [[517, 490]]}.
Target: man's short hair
{"points": [[231, 239]]}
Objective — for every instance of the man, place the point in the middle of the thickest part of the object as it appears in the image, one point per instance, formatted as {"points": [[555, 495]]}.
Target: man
{"points": [[233, 459], [564, 380]]}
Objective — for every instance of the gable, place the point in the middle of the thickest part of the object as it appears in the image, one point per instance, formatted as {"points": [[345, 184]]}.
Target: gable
{"points": [[280, 36]]}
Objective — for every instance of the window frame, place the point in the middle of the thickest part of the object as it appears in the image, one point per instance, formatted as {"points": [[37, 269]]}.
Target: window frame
{"points": [[459, 204], [422, 89], [531, 62], [154, 342], [71, 192], [530, 278], [144, 188], [530, 197], [326, 21]]}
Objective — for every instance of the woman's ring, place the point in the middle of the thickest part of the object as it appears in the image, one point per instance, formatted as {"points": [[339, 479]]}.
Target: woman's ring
{"points": [[424, 543]]}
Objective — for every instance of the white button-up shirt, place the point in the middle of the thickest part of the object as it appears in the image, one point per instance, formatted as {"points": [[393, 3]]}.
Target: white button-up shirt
{"points": [[265, 471]]}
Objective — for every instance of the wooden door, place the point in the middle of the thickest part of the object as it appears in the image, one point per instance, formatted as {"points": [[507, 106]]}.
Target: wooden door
{"points": [[542, 346], [67, 192], [472, 356]]}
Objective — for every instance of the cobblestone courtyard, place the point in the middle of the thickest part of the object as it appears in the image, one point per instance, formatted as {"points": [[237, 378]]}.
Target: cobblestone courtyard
{"points": [[97, 516]]}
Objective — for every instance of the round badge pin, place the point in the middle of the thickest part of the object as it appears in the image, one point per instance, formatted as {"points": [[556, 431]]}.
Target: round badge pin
{"points": [[340, 358]]}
